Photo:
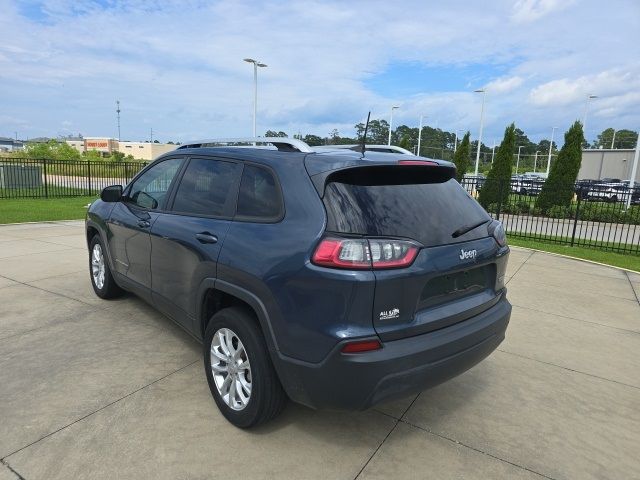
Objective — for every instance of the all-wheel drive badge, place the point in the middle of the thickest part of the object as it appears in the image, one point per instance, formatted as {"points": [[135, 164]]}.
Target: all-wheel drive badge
{"points": [[389, 314]]}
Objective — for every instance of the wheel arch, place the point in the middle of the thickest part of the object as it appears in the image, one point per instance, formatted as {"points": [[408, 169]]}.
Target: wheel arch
{"points": [[216, 294]]}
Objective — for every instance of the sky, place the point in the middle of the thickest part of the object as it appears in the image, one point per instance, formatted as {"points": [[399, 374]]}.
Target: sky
{"points": [[177, 66]]}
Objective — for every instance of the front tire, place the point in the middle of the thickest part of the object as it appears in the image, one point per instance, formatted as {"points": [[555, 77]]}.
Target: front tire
{"points": [[239, 371], [101, 279]]}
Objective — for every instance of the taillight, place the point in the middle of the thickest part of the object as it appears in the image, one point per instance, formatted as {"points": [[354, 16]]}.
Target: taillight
{"points": [[364, 254], [418, 162], [361, 346], [497, 231]]}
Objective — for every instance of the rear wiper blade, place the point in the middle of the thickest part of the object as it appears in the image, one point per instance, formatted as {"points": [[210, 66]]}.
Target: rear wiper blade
{"points": [[467, 228]]}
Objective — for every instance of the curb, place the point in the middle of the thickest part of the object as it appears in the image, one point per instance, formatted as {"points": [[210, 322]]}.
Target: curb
{"points": [[577, 258]]}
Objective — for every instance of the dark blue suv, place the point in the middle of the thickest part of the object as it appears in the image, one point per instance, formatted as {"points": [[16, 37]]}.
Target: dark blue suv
{"points": [[335, 278]]}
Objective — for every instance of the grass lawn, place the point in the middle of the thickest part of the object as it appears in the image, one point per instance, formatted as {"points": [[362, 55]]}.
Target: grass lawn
{"points": [[624, 260], [43, 209]]}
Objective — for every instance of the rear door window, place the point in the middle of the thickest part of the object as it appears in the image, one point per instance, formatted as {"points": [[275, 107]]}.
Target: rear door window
{"points": [[426, 212], [259, 198], [207, 188]]}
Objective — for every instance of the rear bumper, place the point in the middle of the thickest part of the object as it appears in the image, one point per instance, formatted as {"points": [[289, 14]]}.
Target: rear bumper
{"points": [[401, 367]]}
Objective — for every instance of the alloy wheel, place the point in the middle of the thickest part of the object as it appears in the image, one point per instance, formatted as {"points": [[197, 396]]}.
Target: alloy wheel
{"points": [[230, 369]]}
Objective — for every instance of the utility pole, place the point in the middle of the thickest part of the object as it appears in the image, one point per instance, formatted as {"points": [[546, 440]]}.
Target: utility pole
{"points": [[613, 139], [151, 134], [535, 162], [118, 112]]}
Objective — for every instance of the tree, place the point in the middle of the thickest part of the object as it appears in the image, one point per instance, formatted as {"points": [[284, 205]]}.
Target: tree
{"points": [[405, 142], [558, 189], [496, 188], [273, 133], [313, 140], [461, 157], [377, 133], [623, 139]]}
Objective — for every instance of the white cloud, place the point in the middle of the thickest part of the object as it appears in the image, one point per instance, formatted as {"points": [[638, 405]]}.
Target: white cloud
{"points": [[504, 84], [178, 67], [525, 11]]}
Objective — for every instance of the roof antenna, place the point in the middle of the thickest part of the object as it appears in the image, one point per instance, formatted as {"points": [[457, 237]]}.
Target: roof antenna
{"points": [[364, 137]]}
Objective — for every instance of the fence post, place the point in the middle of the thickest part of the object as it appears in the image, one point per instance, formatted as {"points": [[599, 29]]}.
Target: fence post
{"points": [[575, 218], [46, 180], [499, 199], [89, 176]]}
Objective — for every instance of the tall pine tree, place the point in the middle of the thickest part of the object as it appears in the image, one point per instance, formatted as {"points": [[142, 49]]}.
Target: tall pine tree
{"points": [[558, 189], [496, 188], [461, 157]]}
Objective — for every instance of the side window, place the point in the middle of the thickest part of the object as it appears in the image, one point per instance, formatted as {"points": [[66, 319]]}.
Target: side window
{"points": [[150, 189], [259, 197], [206, 188]]}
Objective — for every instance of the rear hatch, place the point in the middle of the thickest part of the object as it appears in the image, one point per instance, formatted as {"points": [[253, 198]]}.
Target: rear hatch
{"points": [[453, 276]]}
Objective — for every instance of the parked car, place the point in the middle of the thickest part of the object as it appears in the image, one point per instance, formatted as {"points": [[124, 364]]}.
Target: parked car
{"points": [[527, 184], [336, 279], [608, 192]]}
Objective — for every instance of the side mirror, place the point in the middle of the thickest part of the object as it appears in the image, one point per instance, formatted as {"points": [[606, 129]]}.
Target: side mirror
{"points": [[111, 194]]}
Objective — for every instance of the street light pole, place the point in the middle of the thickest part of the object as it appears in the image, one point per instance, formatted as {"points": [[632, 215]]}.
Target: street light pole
{"points": [[484, 93], [256, 64], [553, 130], [419, 134], [613, 139], [584, 118], [518, 160], [391, 123]]}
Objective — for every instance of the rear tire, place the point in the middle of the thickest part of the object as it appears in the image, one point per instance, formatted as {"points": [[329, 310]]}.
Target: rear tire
{"points": [[101, 279], [241, 377]]}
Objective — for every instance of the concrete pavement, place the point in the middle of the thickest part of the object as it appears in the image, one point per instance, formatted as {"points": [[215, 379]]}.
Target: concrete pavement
{"points": [[97, 389]]}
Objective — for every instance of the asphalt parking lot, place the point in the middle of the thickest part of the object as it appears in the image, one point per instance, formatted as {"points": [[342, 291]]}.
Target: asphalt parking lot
{"points": [[96, 389]]}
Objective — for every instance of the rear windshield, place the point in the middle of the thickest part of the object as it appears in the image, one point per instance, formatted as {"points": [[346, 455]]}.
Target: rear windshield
{"points": [[426, 212]]}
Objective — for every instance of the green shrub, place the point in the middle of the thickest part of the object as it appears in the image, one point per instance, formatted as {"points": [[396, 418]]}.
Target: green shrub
{"points": [[558, 188], [496, 188]]}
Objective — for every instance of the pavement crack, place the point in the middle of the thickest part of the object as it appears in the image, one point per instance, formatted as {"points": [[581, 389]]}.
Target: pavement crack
{"points": [[518, 269], [576, 319], [522, 467], [4, 462], [378, 448], [569, 369], [102, 408], [632, 288]]}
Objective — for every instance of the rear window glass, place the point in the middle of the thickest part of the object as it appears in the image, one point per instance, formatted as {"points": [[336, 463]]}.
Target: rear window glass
{"points": [[259, 197], [426, 212]]}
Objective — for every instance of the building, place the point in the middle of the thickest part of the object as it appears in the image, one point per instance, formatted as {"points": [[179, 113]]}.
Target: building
{"points": [[607, 163], [10, 145], [145, 150], [107, 145]]}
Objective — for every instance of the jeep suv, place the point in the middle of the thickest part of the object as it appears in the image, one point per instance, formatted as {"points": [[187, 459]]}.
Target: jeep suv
{"points": [[333, 278]]}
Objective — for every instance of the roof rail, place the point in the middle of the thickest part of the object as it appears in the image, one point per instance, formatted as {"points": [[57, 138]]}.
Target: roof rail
{"points": [[281, 143], [372, 148]]}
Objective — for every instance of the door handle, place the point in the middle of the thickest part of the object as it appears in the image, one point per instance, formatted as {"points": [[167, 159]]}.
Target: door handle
{"points": [[206, 237], [144, 224]]}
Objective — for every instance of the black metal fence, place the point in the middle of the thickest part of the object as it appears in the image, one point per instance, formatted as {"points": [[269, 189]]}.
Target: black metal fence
{"points": [[601, 216], [43, 178]]}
